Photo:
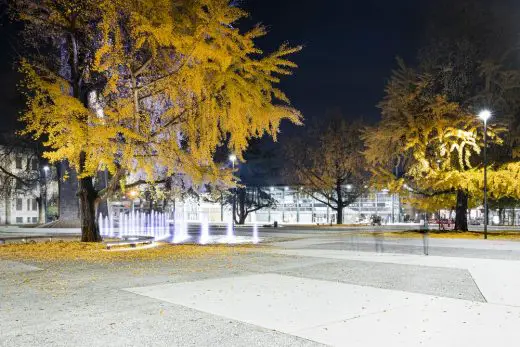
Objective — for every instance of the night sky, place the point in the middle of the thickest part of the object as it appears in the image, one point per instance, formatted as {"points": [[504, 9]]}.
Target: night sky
{"points": [[349, 50], [10, 100]]}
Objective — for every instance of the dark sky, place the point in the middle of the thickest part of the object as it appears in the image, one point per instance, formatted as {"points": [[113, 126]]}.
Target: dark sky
{"points": [[349, 51], [350, 48], [10, 100]]}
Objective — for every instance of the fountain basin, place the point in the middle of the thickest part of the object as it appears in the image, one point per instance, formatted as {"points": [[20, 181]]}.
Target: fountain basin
{"points": [[220, 239], [131, 241]]}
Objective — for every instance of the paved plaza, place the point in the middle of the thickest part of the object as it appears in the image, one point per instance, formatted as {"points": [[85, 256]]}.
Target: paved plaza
{"points": [[303, 288]]}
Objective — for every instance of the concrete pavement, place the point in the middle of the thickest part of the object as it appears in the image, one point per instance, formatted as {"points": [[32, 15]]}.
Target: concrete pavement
{"points": [[309, 289]]}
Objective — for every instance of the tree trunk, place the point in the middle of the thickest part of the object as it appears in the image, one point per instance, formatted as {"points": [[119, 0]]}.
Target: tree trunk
{"points": [[339, 215], [461, 209], [88, 205], [339, 196], [242, 219], [241, 206]]}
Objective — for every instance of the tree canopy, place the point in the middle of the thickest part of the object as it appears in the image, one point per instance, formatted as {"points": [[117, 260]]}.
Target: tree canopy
{"points": [[151, 87], [328, 162]]}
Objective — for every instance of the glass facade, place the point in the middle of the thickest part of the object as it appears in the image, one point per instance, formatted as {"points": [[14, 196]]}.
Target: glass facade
{"points": [[294, 206]]}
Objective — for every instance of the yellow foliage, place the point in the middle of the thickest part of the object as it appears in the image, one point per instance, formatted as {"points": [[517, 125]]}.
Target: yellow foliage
{"points": [[434, 144], [179, 81]]}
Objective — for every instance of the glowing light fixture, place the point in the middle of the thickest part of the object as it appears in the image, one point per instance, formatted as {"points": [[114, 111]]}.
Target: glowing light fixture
{"points": [[484, 115]]}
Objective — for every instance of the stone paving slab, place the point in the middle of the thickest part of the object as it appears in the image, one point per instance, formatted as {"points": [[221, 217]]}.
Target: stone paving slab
{"points": [[440, 281], [279, 302], [498, 280], [344, 314], [439, 323]]}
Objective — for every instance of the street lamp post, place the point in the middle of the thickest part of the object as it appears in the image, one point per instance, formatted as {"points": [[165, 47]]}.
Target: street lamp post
{"points": [[485, 115], [233, 158], [44, 198], [270, 208], [283, 203]]}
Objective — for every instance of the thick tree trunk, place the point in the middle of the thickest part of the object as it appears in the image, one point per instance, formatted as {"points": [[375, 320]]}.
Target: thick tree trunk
{"points": [[88, 205], [242, 219], [461, 210], [339, 218], [241, 204]]}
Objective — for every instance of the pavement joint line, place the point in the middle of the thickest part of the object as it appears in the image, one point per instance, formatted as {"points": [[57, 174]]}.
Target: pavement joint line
{"points": [[479, 290]]}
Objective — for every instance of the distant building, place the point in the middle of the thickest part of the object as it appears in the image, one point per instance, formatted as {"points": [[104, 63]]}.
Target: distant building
{"points": [[25, 187], [292, 207]]}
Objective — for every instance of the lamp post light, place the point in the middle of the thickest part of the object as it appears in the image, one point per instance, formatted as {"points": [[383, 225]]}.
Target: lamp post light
{"points": [[133, 194], [233, 158], [484, 116]]}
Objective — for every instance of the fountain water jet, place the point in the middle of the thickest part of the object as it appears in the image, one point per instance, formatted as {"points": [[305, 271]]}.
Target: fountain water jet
{"points": [[230, 235], [204, 231], [180, 229], [255, 233]]}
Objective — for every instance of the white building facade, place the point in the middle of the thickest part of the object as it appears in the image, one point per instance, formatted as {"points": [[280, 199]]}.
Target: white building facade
{"points": [[18, 201], [295, 207], [292, 207]]}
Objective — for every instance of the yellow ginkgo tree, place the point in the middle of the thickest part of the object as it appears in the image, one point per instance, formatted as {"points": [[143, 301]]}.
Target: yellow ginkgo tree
{"points": [[147, 89], [427, 148]]}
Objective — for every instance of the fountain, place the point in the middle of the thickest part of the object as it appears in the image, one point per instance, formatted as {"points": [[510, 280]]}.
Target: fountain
{"points": [[230, 235], [255, 233], [180, 229], [204, 231], [155, 226]]}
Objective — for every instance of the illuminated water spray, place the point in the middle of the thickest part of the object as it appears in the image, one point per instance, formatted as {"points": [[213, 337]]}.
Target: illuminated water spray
{"points": [[204, 231]]}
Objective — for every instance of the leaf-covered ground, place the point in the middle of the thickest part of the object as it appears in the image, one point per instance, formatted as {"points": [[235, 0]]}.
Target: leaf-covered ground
{"points": [[96, 252]]}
